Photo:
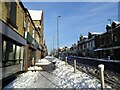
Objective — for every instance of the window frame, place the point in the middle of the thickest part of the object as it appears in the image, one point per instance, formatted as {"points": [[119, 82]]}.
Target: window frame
{"points": [[6, 61], [12, 14]]}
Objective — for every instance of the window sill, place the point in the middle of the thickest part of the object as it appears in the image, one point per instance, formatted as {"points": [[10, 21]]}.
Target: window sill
{"points": [[10, 63]]}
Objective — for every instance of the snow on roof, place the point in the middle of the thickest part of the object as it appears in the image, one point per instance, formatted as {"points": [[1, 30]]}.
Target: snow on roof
{"points": [[96, 32], [35, 14], [38, 26], [61, 47], [109, 25], [116, 22], [68, 47], [85, 36]]}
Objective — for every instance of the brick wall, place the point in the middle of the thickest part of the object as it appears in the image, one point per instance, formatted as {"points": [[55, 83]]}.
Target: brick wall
{"points": [[20, 19], [20, 15]]}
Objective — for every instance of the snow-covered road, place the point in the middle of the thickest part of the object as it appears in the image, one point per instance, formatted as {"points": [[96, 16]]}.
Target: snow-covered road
{"points": [[62, 77]]}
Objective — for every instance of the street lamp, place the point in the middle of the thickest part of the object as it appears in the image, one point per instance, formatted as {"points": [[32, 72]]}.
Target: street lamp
{"points": [[58, 32]]}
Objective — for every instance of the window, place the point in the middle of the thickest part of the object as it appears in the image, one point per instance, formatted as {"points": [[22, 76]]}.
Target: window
{"points": [[28, 26], [10, 51], [87, 45], [24, 25], [12, 13], [93, 43], [4, 50], [22, 53], [33, 33], [17, 53], [115, 38]]}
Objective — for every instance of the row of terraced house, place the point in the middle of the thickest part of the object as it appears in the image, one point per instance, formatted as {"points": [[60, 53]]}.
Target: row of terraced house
{"points": [[97, 45], [22, 35]]}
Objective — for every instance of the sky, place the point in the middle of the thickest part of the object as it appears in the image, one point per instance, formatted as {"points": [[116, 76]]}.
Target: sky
{"points": [[76, 18]]}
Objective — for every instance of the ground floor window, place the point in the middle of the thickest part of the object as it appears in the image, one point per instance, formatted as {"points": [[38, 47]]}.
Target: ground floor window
{"points": [[12, 53], [18, 51], [11, 48], [3, 49], [22, 53]]}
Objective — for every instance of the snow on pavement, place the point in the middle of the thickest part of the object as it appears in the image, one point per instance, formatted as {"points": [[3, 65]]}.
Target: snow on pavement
{"points": [[62, 77], [71, 80]]}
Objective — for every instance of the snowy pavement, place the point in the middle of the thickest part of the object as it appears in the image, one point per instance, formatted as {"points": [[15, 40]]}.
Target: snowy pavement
{"points": [[62, 77]]}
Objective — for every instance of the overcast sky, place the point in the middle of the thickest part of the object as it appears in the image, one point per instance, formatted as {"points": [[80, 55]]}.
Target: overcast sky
{"points": [[76, 18]]}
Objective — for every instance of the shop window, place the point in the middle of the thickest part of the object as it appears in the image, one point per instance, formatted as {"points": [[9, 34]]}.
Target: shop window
{"points": [[10, 50], [4, 50], [17, 52], [22, 53], [11, 54]]}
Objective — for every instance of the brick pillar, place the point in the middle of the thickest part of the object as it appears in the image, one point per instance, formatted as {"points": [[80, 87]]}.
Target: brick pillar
{"points": [[26, 57]]}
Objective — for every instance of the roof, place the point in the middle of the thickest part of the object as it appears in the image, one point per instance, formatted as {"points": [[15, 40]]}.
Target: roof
{"points": [[61, 47], [109, 25], [35, 14], [85, 36], [116, 22]]}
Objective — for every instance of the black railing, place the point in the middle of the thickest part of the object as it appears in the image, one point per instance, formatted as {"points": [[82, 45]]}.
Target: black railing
{"points": [[112, 65]]}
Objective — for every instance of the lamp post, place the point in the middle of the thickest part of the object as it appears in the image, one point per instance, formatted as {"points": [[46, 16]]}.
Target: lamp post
{"points": [[58, 33]]}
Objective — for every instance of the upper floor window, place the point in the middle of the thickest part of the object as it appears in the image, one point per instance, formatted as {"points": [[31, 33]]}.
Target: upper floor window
{"points": [[115, 38], [33, 33], [87, 44], [93, 43], [12, 12], [28, 25], [4, 49]]}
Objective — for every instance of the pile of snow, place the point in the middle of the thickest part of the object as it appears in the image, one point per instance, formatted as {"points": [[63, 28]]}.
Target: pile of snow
{"points": [[43, 62], [71, 80], [40, 63], [34, 68], [24, 80], [51, 58]]}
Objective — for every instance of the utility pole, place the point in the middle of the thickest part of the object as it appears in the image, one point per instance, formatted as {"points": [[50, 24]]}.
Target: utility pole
{"points": [[53, 42], [58, 33]]}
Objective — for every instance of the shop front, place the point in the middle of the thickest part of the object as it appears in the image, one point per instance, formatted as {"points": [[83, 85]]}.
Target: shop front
{"points": [[12, 51]]}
